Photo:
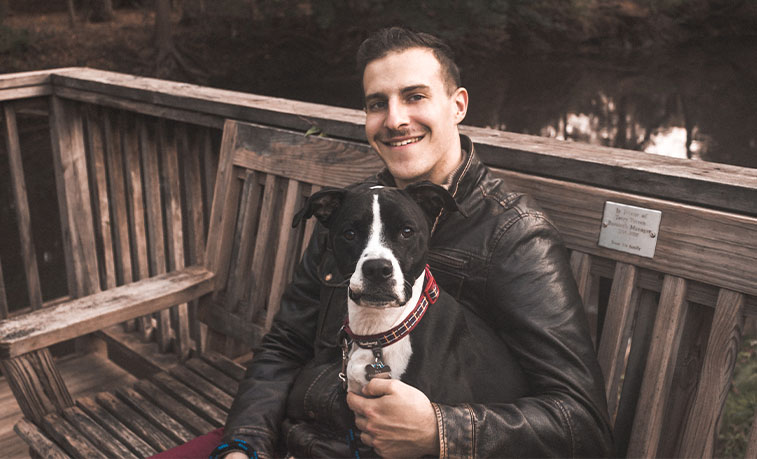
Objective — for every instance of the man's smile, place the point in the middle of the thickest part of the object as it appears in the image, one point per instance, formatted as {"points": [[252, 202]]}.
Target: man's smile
{"points": [[402, 142]]}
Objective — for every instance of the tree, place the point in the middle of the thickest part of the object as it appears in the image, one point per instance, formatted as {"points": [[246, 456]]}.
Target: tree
{"points": [[169, 58], [102, 10]]}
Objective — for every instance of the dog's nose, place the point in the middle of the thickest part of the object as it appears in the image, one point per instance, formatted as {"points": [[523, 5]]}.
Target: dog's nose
{"points": [[379, 269]]}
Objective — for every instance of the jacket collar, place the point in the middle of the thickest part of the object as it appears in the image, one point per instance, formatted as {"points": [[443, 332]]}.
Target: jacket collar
{"points": [[463, 182]]}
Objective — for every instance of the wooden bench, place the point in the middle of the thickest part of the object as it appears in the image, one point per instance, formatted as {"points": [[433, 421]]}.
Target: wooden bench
{"points": [[667, 328]]}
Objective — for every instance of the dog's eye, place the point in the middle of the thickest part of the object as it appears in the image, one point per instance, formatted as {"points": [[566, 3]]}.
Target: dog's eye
{"points": [[407, 232], [349, 234]]}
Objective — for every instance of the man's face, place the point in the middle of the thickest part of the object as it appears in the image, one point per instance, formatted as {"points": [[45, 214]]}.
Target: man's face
{"points": [[411, 118]]}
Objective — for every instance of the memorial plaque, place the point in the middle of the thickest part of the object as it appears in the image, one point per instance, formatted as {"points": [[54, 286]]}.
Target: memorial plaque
{"points": [[630, 229]]}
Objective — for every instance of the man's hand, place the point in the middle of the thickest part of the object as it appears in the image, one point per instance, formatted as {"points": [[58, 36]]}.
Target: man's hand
{"points": [[400, 422]]}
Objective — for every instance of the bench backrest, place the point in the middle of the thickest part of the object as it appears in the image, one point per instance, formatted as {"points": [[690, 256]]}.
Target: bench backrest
{"points": [[667, 328]]}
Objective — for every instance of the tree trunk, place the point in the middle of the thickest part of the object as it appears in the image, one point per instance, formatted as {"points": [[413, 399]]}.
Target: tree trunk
{"points": [[163, 38], [4, 8], [71, 13], [102, 11]]}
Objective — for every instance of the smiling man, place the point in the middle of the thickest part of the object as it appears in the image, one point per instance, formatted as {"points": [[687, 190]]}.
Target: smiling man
{"points": [[500, 257]]}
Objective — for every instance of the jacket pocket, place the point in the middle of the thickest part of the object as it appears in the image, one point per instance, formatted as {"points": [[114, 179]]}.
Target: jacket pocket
{"points": [[448, 269]]}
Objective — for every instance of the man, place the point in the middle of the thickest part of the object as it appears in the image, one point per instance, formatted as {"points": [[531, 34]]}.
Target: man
{"points": [[504, 261]]}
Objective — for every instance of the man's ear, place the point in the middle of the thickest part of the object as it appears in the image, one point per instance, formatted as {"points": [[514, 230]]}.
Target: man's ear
{"points": [[322, 204], [431, 198]]}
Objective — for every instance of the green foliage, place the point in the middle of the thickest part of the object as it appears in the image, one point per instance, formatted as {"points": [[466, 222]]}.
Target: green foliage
{"points": [[13, 40], [740, 404]]}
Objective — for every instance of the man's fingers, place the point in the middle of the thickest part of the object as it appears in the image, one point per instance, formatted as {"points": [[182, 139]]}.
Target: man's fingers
{"points": [[377, 387]]}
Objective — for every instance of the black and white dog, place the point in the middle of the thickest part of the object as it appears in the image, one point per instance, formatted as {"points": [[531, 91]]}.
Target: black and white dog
{"points": [[399, 324]]}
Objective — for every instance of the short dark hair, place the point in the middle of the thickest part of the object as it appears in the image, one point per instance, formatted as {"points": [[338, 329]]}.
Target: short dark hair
{"points": [[395, 39]]}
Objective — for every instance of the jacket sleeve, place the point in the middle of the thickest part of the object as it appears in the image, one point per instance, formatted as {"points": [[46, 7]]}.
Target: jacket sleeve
{"points": [[532, 299], [260, 404]]}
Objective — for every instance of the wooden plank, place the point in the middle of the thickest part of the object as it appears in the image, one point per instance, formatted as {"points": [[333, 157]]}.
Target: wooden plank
{"points": [[659, 370], [311, 159], [175, 232], [22, 79], [285, 249], [100, 182], [21, 201], [195, 401], [148, 142], [309, 224], [69, 320], [117, 187], [38, 441], [116, 428], [708, 246], [621, 310], [96, 434], [169, 404], [201, 385], [69, 438], [715, 380], [69, 158], [580, 264], [3, 295], [36, 384], [165, 423], [135, 422], [137, 356], [213, 375], [24, 93], [228, 366], [210, 166]]}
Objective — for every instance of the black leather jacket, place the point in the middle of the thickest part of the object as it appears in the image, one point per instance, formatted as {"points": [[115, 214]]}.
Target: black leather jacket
{"points": [[503, 259]]}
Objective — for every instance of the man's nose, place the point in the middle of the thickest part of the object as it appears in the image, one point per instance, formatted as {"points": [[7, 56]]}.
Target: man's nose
{"points": [[396, 116]]}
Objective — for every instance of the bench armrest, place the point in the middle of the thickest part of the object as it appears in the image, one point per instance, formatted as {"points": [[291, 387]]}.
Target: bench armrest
{"points": [[74, 318]]}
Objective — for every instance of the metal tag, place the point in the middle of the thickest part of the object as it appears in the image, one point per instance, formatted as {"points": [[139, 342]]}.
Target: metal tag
{"points": [[630, 229]]}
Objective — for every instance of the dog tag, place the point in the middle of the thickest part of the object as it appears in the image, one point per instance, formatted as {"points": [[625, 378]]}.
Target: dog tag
{"points": [[377, 370]]}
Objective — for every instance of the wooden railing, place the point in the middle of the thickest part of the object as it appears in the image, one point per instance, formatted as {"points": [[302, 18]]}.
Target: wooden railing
{"points": [[134, 162]]}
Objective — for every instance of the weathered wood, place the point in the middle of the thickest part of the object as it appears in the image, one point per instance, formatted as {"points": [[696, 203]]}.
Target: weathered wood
{"points": [[580, 264], [686, 245], [71, 439], [309, 224], [99, 170], [621, 310], [28, 252], [96, 434], [201, 385], [659, 370], [165, 423], [195, 401], [23, 79], [225, 383], [3, 295], [135, 422], [36, 384], [115, 427], [229, 367], [48, 326], [69, 158], [715, 380], [24, 93], [38, 442], [189, 418]]}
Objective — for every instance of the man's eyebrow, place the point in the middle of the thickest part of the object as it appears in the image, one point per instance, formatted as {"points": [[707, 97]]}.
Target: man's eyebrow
{"points": [[405, 90]]}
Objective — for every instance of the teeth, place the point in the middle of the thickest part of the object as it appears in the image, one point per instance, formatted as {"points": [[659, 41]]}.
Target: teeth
{"points": [[404, 142]]}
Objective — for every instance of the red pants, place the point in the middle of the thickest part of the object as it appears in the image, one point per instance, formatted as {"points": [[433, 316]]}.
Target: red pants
{"points": [[199, 447]]}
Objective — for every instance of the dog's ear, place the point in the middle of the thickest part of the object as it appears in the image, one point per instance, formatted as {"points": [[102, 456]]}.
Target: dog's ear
{"points": [[432, 198], [322, 205]]}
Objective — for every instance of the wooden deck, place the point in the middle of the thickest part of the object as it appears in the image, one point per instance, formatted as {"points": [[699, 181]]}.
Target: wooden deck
{"points": [[86, 374]]}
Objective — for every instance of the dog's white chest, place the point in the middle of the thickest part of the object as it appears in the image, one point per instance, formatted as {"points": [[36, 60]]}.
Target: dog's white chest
{"points": [[395, 356]]}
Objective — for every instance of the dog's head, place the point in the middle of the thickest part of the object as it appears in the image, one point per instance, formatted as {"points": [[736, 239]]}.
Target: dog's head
{"points": [[379, 236]]}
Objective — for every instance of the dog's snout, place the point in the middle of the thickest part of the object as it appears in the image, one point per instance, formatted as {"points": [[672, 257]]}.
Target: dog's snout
{"points": [[377, 270]]}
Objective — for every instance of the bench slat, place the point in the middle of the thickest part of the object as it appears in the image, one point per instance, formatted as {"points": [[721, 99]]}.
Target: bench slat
{"points": [[170, 405], [621, 309], [213, 377], [158, 417], [659, 369], [715, 380], [194, 401], [39, 443], [230, 367], [71, 439], [212, 392], [96, 434], [135, 422], [116, 428], [75, 318]]}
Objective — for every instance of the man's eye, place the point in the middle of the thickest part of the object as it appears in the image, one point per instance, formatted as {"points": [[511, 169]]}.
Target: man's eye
{"points": [[376, 106], [349, 234], [406, 232], [416, 97]]}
